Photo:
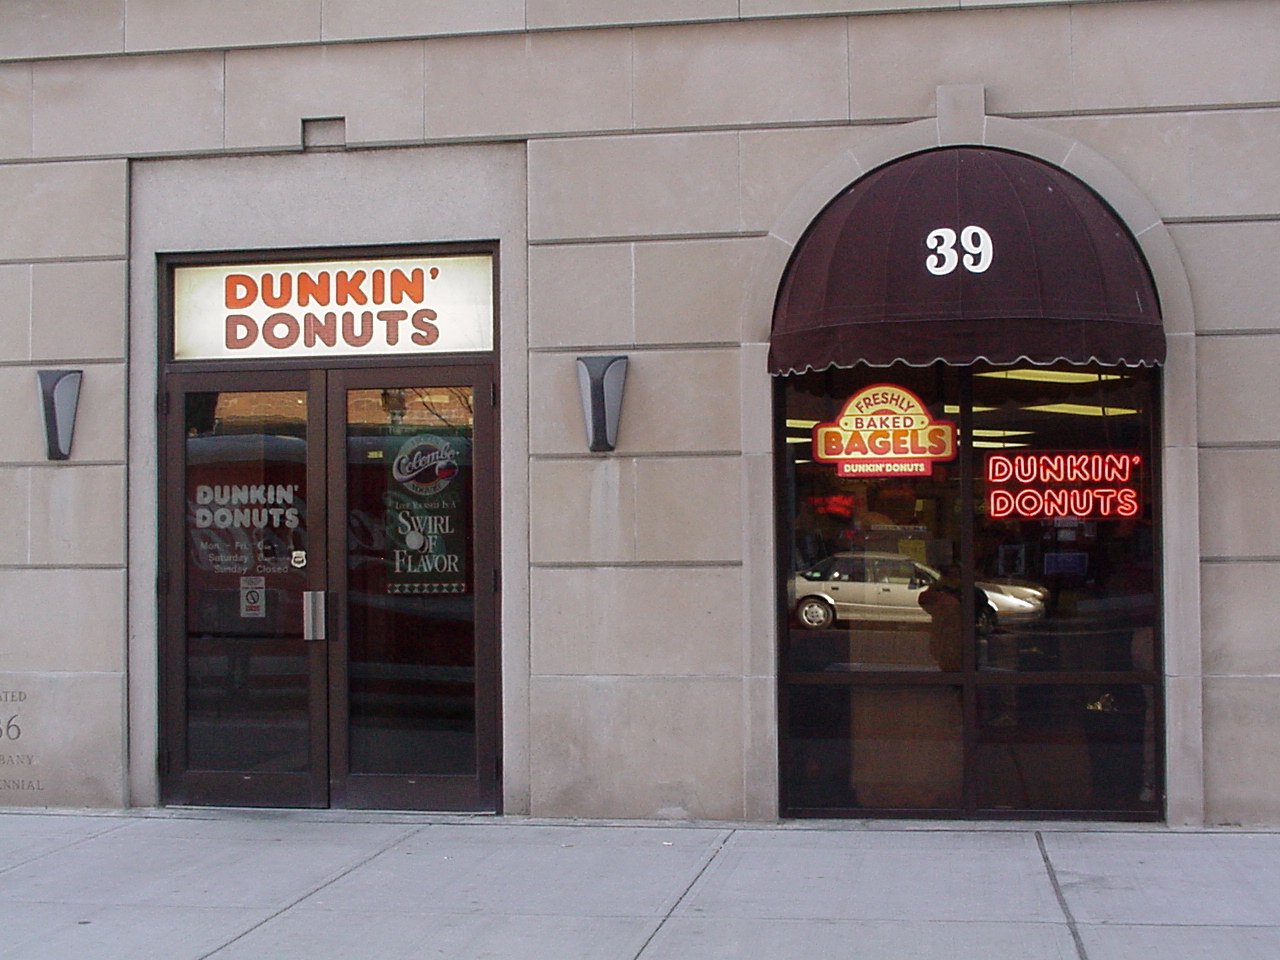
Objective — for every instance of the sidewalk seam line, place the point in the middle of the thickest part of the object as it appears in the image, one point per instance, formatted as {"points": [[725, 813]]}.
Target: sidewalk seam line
{"points": [[1062, 899], [66, 846], [684, 893], [314, 890]]}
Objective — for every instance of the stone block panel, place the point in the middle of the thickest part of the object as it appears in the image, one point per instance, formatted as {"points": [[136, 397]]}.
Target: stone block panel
{"points": [[1231, 268], [1152, 151], [653, 293], [741, 73], [617, 510], [761, 779], [15, 111], [776, 164], [57, 210], [581, 294], [673, 402], [1236, 518], [1241, 764], [1180, 400], [897, 63], [15, 515], [374, 19], [651, 748], [1215, 163], [376, 87], [23, 437], [583, 510], [785, 8], [183, 24], [62, 621], [1232, 157], [128, 106], [667, 184], [1134, 56], [605, 621], [541, 14], [15, 311], [1182, 548], [689, 508], [78, 310], [77, 515], [332, 198], [56, 28], [63, 737], [1233, 376], [1240, 607], [528, 83], [692, 291]]}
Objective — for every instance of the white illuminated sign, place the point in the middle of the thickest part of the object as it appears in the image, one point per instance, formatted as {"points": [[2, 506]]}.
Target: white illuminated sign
{"points": [[327, 308]]}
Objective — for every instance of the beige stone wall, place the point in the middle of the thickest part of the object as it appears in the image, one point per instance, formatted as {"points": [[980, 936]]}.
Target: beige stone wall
{"points": [[62, 525], [671, 158]]}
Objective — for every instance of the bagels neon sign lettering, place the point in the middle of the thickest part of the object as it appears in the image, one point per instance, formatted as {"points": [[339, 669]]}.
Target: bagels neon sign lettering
{"points": [[884, 430], [1087, 485]]}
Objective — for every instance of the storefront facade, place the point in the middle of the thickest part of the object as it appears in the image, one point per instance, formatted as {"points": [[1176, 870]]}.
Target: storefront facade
{"points": [[492, 595]]}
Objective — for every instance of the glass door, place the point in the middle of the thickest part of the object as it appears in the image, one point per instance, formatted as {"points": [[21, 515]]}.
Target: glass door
{"points": [[970, 628], [412, 692], [330, 604]]}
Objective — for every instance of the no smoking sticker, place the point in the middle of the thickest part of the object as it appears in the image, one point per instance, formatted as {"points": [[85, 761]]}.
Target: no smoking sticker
{"points": [[253, 596]]}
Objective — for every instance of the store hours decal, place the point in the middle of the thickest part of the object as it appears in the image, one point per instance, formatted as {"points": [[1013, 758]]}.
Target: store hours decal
{"points": [[426, 517]]}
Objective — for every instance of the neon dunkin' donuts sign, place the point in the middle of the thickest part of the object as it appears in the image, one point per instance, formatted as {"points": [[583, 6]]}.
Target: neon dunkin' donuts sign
{"points": [[1087, 486], [884, 430]]}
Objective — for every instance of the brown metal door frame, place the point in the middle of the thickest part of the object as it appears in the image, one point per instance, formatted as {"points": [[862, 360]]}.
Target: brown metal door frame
{"points": [[178, 783], [327, 783], [396, 791]]}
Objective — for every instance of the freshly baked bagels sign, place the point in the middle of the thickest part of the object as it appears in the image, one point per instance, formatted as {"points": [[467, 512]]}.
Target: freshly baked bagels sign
{"points": [[884, 431], [328, 308]]}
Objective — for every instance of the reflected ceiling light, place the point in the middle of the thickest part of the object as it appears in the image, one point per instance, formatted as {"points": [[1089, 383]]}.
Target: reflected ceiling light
{"points": [[998, 444], [1082, 410], [954, 409], [802, 424], [1051, 376], [798, 439], [1002, 433]]}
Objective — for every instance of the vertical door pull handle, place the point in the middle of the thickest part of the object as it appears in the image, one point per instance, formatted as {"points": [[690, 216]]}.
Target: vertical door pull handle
{"points": [[313, 615]]}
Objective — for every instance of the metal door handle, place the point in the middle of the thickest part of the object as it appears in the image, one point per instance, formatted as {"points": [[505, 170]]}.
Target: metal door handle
{"points": [[313, 606]]}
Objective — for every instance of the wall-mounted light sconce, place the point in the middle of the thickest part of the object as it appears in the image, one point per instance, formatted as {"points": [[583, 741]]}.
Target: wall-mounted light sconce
{"points": [[600, 381], [59, 395]]}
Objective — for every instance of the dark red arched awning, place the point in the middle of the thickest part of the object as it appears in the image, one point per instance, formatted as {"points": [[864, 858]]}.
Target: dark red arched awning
{"points": [[1052, 274]]}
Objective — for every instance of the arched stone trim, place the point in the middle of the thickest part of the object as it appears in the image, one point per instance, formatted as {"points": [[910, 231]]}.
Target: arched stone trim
{"points": [[962, 121]]}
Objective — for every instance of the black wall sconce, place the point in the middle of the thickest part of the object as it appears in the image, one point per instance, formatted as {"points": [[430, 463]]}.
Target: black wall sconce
{"points": [[59, 396], [600, 380]]}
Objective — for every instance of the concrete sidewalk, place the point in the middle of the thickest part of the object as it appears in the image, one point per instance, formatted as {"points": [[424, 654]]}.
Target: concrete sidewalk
{"points": [[232, 885]]}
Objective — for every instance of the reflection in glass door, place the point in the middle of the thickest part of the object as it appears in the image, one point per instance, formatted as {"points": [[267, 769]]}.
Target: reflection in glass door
{"points": [[979, 634], [407, 712], [327, 640]]}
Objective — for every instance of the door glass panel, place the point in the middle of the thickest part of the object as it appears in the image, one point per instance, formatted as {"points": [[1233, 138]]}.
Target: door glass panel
{"points": [[1022, 568], [247, 676], [1065, 525], [889, 746], [411, 581], [868, 551], [1067, 747]]}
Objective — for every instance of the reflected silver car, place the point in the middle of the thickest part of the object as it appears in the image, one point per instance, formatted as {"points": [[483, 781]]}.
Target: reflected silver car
{"points": [[887, 586]]}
